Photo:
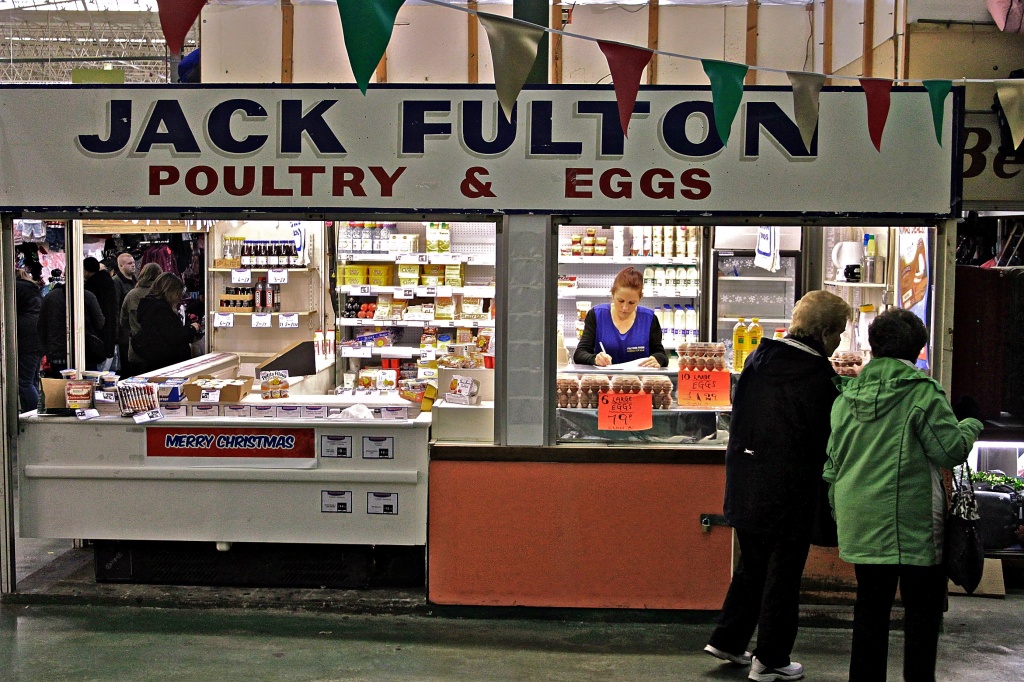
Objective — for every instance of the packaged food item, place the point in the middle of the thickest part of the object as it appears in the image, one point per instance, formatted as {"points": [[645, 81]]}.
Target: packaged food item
{"points": [[383, 309], [444, 238], [433, 235], [463, 336], [453, 275], [444, 308], [472, 308], [582, 308], [274, 384], [398, 307], [78, 394], [367, 378], [387, 380]]}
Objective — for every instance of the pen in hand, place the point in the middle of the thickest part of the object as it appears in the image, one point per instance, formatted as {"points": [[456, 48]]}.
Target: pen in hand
{"points": [[605, 354]]}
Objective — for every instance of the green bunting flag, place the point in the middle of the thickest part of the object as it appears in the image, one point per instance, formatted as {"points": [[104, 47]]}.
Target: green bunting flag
{"points": [[937, 92], [726, 92], [367, 26]]}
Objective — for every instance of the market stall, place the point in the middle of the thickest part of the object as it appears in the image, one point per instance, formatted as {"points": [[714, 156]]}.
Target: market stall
{"points": [[521, 511]]}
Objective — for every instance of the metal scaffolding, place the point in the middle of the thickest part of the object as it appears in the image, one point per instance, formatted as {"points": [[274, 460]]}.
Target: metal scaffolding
{"points": [[44, 46]]}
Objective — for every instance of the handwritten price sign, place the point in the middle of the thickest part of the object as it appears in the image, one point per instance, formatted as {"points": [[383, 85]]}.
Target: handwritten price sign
{"points": [[703, 389], [625, 411]]}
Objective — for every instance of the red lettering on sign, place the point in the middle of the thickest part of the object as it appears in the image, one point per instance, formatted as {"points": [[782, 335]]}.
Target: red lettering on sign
{"points": [[693, 179], [269, 190], [576, 178], [162, 176]]}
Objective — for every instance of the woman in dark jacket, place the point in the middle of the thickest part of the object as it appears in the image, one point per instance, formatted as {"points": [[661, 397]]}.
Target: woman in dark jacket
{"points": [[777, 447], [163, 338]]}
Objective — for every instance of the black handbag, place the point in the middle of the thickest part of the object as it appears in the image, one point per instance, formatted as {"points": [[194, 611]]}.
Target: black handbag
{"points": [[964, 553]]}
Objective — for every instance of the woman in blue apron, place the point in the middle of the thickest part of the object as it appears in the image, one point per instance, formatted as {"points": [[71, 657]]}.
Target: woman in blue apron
{"points": [[622, 331]]}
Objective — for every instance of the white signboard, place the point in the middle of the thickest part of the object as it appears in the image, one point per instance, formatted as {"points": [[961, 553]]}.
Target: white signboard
{"points": [[317, 148], [993, 178]]}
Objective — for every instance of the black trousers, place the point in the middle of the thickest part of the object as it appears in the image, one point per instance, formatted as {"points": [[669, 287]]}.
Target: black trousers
{"points": [[764, 593], [922, 591]]}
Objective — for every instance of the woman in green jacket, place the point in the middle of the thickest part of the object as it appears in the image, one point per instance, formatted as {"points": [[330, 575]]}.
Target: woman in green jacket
{"points": [[892, 431]]}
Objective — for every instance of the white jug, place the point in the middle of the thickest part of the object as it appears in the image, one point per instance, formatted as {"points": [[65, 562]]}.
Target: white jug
{"points": [[846, 253]]}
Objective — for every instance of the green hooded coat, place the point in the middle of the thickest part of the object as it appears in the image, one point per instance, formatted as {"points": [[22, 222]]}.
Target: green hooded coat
{"points": [[892, 431]]}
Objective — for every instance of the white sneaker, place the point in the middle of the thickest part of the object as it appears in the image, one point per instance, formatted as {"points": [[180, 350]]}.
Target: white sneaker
{"points": [[761, 673], [726, 656]]}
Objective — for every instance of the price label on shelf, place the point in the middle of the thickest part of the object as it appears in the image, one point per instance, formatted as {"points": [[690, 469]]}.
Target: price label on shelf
{"points": [[87, 414], [447, 259], [288, 321], [209, 396], [444, 292], [277, 276], [358, 352], [703, 389], [224, 320], [405, 293], [428, 354], [241, 276], [624, 411], [261, 320], [426, 291], [363, 290], [378, 447], [151, 416]]}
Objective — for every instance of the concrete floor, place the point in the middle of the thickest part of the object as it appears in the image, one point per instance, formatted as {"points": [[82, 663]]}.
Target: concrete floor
{"points": [[49, 643]]}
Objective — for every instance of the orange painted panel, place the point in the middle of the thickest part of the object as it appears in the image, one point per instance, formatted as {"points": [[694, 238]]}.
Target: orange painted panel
{"points": [[576, 535]]}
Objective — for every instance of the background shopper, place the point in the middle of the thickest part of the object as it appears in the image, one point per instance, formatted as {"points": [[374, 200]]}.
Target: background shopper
{"points": [[163, 337], [892, 431], [124, 281], [53, 329], [98, 281], [623, 330], [780, 428], [29, 303], [131, 364]]}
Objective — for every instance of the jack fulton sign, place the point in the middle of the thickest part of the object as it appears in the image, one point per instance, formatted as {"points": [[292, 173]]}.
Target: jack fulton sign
{"points": [[326, 148], [234, 446]]}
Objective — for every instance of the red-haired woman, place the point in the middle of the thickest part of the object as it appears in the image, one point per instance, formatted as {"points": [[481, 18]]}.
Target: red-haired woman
{"points": [[622, 331]]}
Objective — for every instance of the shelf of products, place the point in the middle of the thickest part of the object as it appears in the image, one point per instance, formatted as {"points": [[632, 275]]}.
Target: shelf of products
{"points": [[857, 285], [415, 298]]}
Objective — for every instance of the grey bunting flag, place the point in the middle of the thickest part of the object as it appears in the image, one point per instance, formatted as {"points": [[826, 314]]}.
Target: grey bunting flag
{"points": [[513, 52], [806, 88], [1011, 99]]}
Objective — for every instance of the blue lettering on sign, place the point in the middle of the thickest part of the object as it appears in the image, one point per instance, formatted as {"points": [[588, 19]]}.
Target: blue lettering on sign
{"points": [[187, 441], [218, 125], [120, 112], [673, 130], [473, 129], [415, 128], [294, 123], [176, 132], [255, 442], [541, 143], [779, 126], [611, 140]]}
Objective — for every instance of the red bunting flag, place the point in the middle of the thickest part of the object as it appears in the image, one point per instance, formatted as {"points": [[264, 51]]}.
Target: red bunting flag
{"points": [[176, 18], [627, 64], [877, 91]]}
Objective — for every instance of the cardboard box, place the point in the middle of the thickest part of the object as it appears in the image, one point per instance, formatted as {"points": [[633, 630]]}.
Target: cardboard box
{"points": [[235, 411], [204, 410], [53, 390], [228, 394]]}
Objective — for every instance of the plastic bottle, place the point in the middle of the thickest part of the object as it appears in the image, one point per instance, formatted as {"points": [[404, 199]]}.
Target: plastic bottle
{"points": [[275, 289], [345, 238], [668, 331], [679, 324], [754, 334], [246, 254], [691, 242], [648, 238], [366, 243], [259, 296], [648, 276], [268, 298], [780, 333], [638, 241], [739, 345], [691, 323], [274, 254]]}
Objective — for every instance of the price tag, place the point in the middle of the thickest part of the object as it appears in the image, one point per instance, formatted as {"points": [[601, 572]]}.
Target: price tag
{"points": [[223, 319], [428, 354], [209, 396], [261, 320], [335, 446], [410, 258], [288, 321], [378, 447], [444, 292], [277, 276], [447, 259], [405, 292], [241, 276], [360, 352], [363, 290], [151, 416], [624, 411], [106, 396], [87, 414], [426, 291], [703, 389]]}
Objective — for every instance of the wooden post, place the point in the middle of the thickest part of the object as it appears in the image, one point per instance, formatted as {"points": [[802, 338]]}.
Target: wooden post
{"points": [[868, 59], [556, 46], [473, 64], [653, 27], [287, 40], [826, 48], [751, 58]]}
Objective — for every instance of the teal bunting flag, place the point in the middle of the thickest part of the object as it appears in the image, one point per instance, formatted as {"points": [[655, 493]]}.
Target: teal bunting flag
{"points": [[937, 92], [367, 27], [726, 92]]}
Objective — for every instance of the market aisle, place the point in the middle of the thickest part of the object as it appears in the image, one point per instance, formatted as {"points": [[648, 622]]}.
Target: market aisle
{"points": [[134, 644]]}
